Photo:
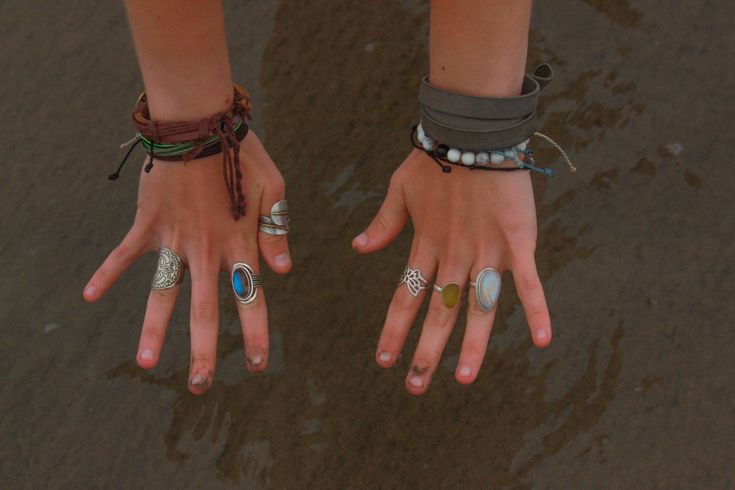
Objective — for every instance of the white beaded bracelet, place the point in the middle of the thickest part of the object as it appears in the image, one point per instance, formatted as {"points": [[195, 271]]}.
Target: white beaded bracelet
{"points": [[487, 159]]}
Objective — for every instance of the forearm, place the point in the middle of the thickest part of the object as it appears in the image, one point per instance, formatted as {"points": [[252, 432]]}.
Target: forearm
{"points": [[182, 52], [479, 47]]}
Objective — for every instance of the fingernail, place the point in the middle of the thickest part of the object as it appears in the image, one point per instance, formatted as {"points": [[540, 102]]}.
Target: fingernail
{"points": [[465, 371], [199, 381], [384, 356], [540, 334], [361, 240], [416, 381], [282, 260], [256, 360], [90, 291], [146, 355]]}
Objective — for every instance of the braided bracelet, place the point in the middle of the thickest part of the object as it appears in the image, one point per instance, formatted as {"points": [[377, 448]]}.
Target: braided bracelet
{"points": [[172, 141]]}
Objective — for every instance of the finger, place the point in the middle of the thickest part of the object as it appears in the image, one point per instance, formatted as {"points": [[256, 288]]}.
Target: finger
{"points": [[477, 332], [204, 325], [157, 317], [386, 225], [531, 294], [274, 248], [405, 306], [127, 252], [253, 317], [437, 326]]}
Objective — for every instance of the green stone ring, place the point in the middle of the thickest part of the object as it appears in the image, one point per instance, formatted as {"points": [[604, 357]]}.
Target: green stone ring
{"points": [[245, 283], [450, 294]]}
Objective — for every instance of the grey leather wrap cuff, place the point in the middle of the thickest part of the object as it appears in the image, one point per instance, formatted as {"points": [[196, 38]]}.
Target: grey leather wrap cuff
{"points": [[482, 123]]}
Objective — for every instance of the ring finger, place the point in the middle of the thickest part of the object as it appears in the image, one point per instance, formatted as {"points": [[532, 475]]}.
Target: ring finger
{"points": [[480, 319], [251, 307]]}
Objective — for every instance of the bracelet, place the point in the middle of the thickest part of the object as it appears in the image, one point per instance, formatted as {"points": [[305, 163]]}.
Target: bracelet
{"points": [[172, 141], [521, 155], [480, 133]]}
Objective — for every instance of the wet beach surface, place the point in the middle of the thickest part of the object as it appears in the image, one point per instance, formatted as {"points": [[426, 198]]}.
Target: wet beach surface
{"points": [[635, 252]]}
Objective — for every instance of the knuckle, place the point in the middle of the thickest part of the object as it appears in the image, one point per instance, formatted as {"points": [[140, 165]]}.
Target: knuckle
{"points": [[396, 181], [423, 363], [403, 300], [380, 222], [205, 360], [151, 334], [390, 338], [530, 283], [474, 310], [273, 240], [438, 315], [205, 311], [473, 352], [162, 295], [122, 251], [278, 185]]}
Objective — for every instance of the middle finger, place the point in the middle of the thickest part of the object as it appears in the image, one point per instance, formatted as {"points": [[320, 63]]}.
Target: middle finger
{"points": [[438, 324], [204, 325]]}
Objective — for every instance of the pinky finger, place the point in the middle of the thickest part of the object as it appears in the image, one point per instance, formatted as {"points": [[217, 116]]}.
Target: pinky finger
{"points": [[531, 293], [127, 252]]}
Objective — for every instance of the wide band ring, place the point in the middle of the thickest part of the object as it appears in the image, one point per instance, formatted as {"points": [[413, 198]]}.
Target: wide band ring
{"points": [[245, 283], [169, 270], [450, 293], [487, 288], [414, 281], [277, 222]]}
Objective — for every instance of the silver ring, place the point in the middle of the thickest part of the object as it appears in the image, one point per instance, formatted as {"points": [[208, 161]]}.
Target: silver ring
{"points": [[414, 281], [245, 283], [169, 270], [487, 288], [277, 222]]}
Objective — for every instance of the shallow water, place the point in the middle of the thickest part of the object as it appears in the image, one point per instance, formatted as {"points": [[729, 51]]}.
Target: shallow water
{"points": [[635, 252]]}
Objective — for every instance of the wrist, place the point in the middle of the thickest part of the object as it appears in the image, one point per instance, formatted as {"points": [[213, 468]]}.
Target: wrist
{"points": [[189, 101]]}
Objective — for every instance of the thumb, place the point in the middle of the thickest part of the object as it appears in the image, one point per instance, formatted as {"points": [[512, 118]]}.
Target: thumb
{"points": [[386, 225]]}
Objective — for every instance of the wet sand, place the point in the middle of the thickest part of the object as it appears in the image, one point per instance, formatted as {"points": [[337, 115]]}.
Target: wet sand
{"points": [[635, 252]]}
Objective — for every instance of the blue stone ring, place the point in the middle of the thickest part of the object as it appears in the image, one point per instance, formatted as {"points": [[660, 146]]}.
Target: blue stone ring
{"points": [[487, 288], [245, 283]]}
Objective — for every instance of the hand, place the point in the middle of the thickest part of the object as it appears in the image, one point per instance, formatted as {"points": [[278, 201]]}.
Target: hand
{"points": [[185, 207], [464, 221]]}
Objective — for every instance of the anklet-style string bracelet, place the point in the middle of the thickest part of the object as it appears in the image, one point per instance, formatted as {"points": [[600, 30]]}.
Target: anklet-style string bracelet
{"points": [[173, 141]]}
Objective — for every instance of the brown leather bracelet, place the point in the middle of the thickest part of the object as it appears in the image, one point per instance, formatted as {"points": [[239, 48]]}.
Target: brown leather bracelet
{"points": [[221, 125]]}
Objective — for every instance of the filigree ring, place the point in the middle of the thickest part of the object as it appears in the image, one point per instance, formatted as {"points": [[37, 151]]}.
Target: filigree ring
{"points": [[414, 281], [169, 271]]}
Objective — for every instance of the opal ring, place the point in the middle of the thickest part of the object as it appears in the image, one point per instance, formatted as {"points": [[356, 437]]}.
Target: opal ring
{"points": [[277, 222], [245, 283], [169, 271], [414, 281], [450, 294], [487, 288]]}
